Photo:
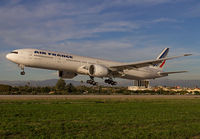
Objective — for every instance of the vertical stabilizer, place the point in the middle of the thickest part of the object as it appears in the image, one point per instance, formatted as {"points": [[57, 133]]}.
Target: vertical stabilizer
{"points": [[162, 55]]}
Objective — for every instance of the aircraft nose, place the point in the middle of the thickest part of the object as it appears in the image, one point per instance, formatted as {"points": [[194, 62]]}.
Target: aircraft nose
{"points": [[8, 56]]}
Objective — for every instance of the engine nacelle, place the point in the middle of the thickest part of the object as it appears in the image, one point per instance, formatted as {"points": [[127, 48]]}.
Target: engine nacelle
{"points": [[98, 71], [66, 74]]}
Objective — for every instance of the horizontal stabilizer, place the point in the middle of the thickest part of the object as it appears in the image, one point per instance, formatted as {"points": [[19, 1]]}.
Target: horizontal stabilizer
{"points": [[174, 72]]}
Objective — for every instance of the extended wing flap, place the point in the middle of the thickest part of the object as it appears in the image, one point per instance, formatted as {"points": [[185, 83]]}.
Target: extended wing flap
{"points": [[145, 63]]}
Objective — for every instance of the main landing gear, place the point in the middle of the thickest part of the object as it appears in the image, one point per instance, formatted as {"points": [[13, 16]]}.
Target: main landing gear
{"points": [[110, 81], [91, 81], [22, 68]]}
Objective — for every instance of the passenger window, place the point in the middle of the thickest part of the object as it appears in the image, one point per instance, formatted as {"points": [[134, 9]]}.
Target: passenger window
{"points": [[36, 52]]}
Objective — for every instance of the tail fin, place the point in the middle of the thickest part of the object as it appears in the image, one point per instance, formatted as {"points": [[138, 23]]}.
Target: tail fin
{"points": [[162, 55]]}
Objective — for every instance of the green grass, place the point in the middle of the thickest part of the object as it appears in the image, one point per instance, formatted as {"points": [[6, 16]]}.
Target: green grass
{"points": [[100, 119]]}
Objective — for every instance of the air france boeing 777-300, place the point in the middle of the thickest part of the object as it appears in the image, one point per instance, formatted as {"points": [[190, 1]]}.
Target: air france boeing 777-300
{"points": [[69, 66]]}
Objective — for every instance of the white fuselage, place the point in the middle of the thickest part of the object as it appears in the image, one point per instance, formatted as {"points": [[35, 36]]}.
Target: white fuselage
{"points": [[76, 64]]}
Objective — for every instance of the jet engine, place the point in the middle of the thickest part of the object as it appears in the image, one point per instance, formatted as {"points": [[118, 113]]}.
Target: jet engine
{"points": [[66, 74], [98, 71]]}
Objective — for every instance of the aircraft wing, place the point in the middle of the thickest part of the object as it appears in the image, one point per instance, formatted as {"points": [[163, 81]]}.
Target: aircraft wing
{"points": [[174, 72], [144, 63]]}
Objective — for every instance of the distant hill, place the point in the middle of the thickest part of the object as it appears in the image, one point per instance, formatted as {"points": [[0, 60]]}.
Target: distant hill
{"points": [[157, 82], [51, 82]]}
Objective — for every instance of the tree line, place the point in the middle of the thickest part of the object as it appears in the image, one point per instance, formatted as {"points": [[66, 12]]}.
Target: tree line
{"points": [[61, 88]]}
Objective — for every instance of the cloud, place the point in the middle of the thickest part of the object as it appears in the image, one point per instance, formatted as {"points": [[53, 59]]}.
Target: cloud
{"points": [[46, 23], [120, 26], [117, 29], [124, 49], [141, 2], [193, 11], [159, 20], [42, 23]]}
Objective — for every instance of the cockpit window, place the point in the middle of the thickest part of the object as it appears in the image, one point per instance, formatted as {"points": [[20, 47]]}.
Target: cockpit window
{"points": [[14, 52]]}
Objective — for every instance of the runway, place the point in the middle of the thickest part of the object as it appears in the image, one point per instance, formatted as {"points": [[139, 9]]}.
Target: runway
{"points": [[78, 97]]}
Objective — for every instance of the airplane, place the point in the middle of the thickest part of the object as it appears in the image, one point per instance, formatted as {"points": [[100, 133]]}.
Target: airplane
{"points": [[69, 66]]}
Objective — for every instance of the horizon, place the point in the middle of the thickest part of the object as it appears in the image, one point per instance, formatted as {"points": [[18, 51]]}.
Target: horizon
{"points": [[122, 83], [122, 30]]}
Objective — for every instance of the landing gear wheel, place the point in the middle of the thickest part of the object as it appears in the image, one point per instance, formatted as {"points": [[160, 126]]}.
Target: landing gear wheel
{"points": [[22, 73], [91, 81], [110, 81], [114, 83], [94, 83], [22, 68]]}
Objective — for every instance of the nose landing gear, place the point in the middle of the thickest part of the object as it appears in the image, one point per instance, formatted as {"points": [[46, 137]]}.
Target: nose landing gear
{"points": [[22, 68], [22, 73]]}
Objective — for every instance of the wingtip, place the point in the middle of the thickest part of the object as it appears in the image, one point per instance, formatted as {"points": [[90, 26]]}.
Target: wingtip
{"points": [[185, 71]]}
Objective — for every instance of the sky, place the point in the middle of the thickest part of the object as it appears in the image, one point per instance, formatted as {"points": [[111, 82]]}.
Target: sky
{"points": [[120, 30]]}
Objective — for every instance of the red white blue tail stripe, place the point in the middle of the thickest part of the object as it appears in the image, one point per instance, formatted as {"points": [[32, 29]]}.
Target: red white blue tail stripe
{"points": [[162, 55]]}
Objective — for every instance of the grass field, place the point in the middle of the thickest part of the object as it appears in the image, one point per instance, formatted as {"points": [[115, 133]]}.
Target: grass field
{"points": [[93, 118]]}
